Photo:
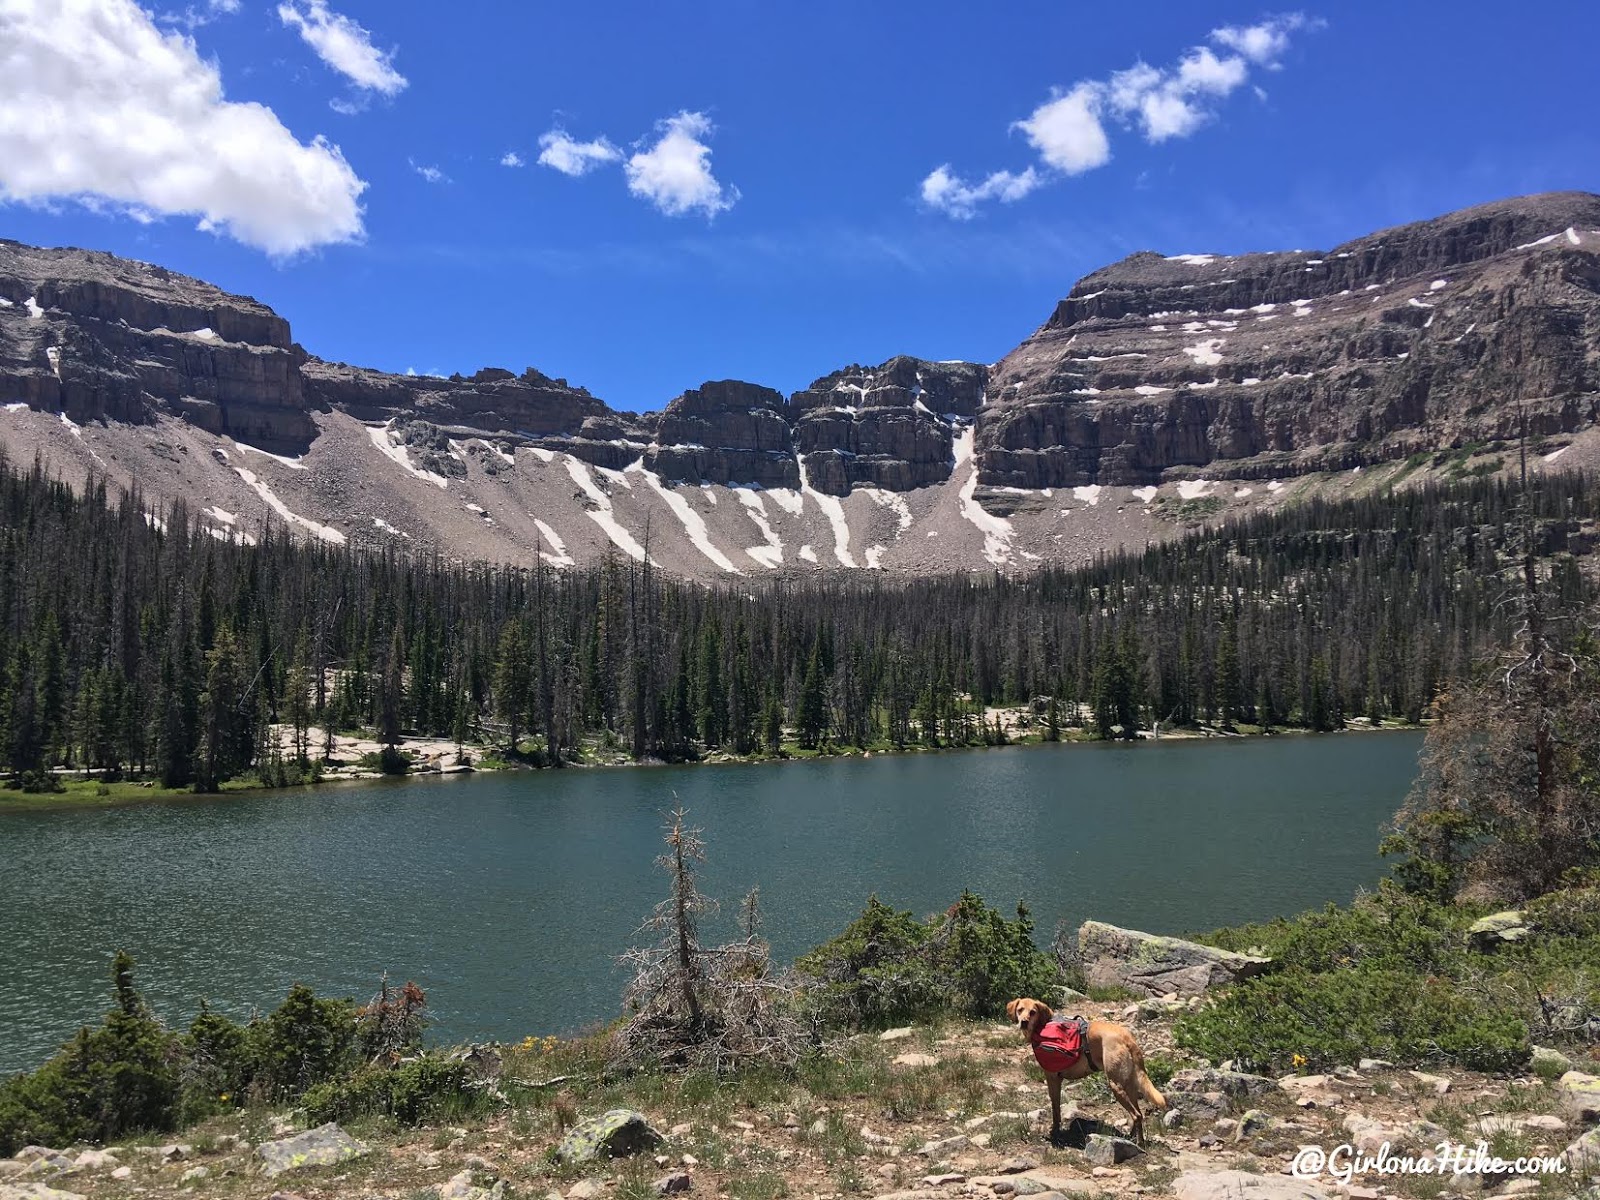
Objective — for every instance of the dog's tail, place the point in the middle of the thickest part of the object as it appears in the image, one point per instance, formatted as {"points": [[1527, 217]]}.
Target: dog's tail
{"points": [[1151, 1092]]}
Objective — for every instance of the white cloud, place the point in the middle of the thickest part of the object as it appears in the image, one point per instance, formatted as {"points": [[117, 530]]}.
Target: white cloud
{"points": [[558, 149], [949, 194], [103, 108], [431, 173], [675, 173], [1068, 132], [511, 159], [1264, 43], [195, 15], [343, 45]]}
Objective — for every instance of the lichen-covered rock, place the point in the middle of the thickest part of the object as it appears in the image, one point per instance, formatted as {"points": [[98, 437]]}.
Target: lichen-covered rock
{"points": [[325, 1146], [1238, 1086], [614, 1134], [1498, 929], [35, 1191], [1149, 964], [1580, 1097], [1106, 1151]]}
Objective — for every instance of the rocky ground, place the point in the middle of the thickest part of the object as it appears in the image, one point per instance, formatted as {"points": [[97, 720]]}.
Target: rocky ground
{"points": [[932, 1113]]}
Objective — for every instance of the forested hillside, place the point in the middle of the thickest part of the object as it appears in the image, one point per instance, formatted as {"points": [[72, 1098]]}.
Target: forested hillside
{"points": [[142, 643]]}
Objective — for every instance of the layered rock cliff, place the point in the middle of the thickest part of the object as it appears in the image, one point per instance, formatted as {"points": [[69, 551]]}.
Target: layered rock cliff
{"points": [[1154, 381], [1434, 334]]}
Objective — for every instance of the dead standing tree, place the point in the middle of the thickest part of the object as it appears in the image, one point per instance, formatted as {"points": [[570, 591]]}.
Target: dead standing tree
{"points": [[689, 1005]]}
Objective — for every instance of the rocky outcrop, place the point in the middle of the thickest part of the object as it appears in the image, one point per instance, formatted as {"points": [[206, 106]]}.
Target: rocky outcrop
{"points": [[1148, 964], [614, 1134], [726, 432], [98, 337], [890, 426], [1431, 335]]}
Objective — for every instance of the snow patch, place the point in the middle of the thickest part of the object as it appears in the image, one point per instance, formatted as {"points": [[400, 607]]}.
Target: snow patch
{"points": [[1438, 285], [1207, 353], [1194, 489], [790, 500], [394, 453], [807, 553], [380, 523], [1145, 494], [1572, 236], [53, 353], [557, 555], [1089, 494], [223, 515], [875, 557], [1555, 454], [1274, 486], [1241, 493], [602, 514], [834, 511], [1193, 260], [894, 502], [32, 305], [1204, 387], [1158, 329], [206, 334], [544, 455], [1415, 303], [1544, 241], [326, 533], [1150, 389], [996, 531], [771, 554], [693, 523], [294, 464]]}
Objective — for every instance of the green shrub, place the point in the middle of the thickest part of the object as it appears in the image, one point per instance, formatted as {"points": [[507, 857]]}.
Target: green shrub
{"points": [[1337, 1018], [412, 1092], [307, 1041], [121, 1078], [888, 966]]}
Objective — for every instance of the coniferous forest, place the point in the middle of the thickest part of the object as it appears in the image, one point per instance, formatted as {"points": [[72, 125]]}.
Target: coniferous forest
{"points": [[134, 643]]}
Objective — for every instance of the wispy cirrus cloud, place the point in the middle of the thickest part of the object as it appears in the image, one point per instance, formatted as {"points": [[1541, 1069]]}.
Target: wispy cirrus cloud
{"points": [[344, 46], [1069, 132], [103, 108]]}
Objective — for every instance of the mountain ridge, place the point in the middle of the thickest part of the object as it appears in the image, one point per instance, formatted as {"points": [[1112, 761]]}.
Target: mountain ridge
{"points": [[1122, 418]]}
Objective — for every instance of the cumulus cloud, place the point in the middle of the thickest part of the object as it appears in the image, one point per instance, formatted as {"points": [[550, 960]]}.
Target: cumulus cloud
{"points": [[950, 194], [343, 45], [1068, 131], [675, 173], [511, 159], [103, 108], [430, 173], [559, 150]]}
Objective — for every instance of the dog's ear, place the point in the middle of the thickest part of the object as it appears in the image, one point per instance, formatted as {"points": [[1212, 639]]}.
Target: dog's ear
{"points": [[1011, 1009], [1045, 1010]]}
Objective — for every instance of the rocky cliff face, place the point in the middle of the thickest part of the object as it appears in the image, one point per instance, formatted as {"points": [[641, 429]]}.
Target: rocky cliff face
{"points": [[1155, 380], [99, 337], [1430, 335]]}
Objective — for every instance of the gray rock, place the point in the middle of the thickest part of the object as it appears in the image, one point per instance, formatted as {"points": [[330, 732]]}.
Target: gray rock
{"points": [[1580, 1097], [614, 1134], [1149, 964], [1583, 1156], [1375, 1064], [673, 1183], [325, 1146], [1015, 1166], [1544, 1059], [194, 1175], [1242, 1185], [1106, 1151], [586, 1189], [461, 1186], [1498, 929], [1253, 1122], [1238, 1086], [36, 1190], [939, 1147]]}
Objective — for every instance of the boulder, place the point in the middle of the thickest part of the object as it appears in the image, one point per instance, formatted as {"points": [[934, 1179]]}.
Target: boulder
{"points": [[1583, 1156], [460, 1186], [939, 1147], [915, 1059], [1497, 929], [1311, 1091], [325, 1146], [1545, 1061], [1106, 1151], [1242, 1185], [1150, 964], [1236, 1085], [614, 1134], [673, 1183], [35, 1191], [1580, 1097]]}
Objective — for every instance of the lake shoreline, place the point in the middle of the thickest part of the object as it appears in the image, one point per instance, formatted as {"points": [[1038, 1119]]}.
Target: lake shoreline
{"points": [[82, 788]]}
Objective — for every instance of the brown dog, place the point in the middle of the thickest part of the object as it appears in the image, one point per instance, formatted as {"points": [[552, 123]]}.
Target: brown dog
{"points": [[1106, 1046]]}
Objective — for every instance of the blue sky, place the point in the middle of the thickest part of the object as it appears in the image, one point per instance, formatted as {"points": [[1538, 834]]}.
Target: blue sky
{"points": [[762, 195]]}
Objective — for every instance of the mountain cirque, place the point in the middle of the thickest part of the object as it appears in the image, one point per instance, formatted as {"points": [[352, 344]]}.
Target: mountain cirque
{"points": [[1163, 392]]}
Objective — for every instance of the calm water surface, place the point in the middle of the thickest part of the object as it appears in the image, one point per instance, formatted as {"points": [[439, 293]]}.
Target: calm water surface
{"points": [[507, 896]]}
